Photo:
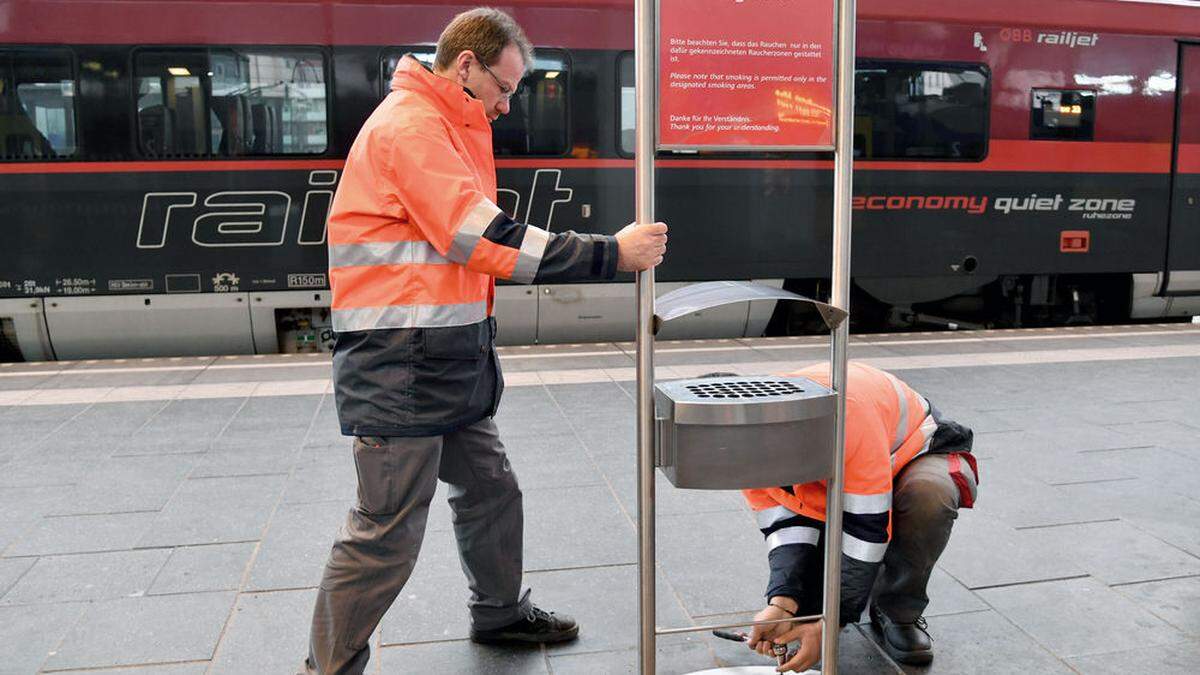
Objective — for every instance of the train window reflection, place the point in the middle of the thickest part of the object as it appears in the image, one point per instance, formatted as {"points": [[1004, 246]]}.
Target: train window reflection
{"points": [[231, 102], [536, 123], [920, 111], [37, 105], [1066, 115]]}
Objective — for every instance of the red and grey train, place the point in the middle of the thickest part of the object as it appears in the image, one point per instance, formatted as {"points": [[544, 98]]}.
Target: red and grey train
{"points": [[166, 169]]}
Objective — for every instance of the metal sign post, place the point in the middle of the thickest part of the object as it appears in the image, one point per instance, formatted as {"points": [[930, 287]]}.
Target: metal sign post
{"points": [[843, 173], [646, 55], [645, 84]]}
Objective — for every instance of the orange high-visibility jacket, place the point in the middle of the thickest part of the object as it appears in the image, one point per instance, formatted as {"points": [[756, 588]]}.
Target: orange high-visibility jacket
{"points": [[416, 241], [888, 425]]}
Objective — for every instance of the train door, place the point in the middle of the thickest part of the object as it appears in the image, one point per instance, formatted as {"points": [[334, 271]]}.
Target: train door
{"points": [[1183, 245]]}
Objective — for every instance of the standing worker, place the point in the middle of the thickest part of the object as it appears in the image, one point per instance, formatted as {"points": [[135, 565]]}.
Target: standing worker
{"points": [[907, 472], [416, 242]]}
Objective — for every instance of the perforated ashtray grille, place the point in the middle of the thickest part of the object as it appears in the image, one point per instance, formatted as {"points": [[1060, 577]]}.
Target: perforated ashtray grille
{"points": [[744, 389]]}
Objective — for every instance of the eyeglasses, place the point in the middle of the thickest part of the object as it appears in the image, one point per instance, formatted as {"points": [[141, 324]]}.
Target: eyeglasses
{"points": [[506, 92]]}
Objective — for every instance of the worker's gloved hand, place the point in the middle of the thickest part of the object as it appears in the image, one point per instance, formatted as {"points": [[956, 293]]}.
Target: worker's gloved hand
{"points": [[762, 637], [809, 637], [640, 247]]}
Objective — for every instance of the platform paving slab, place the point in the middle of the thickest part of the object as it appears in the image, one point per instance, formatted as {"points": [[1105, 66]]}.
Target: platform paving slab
{"points": [[30, 470], [1174, 659], [555, 461], [11, 570], [200, 569], [145, 630], [1078, 617], [82, 534], [462, 657], [127, 484], [672, 657], [267, 633], [245, 461], [722, 571], [26, 504], [323, 477], [979, 541], [1176, 601], [610, 625], [576, 527], [293, 552], [216, 510], [28, 637], [1150, 505], [1116, 552], [87, 576], [195, 668], [975, 643]]}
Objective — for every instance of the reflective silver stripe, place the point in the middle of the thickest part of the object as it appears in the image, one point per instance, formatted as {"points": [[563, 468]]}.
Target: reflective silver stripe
{"points": [[925, 407], [384, 253], [862, 550], [533, 245], [927, 428], [768, 517], [901, 432], [408, 316], [471, 229], [863, 504], [793, 535]]}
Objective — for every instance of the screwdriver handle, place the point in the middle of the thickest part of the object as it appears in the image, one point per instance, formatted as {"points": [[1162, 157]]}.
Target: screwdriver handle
{"points": [[730, 635]]}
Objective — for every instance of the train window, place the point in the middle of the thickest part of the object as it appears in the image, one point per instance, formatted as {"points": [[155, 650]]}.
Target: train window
{"points": [[628, 104], [37, 105], [231, 102], [1063, 115], [536, 123], [920, 111]]}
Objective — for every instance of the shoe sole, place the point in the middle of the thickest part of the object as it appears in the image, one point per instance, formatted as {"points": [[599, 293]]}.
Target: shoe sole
{"points": [[518, 638], [908, 658]]}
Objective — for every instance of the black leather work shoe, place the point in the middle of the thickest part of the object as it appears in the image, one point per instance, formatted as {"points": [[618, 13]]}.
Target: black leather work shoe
{"points": [[538, 626], [907, 643]]}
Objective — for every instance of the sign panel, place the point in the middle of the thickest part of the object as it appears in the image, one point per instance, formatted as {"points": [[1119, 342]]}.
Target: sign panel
{"points": [[746, 74]]}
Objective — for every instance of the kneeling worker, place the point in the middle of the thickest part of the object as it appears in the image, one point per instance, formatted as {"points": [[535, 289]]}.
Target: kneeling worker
{"points": [[907, 472]]}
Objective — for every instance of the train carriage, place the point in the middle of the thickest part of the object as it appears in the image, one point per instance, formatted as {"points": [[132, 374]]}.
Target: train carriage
{"points": [[166, 169]]}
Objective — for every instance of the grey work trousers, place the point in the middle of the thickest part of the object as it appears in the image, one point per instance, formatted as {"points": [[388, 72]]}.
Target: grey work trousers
{"points": [[925, 503], [375, 551]]}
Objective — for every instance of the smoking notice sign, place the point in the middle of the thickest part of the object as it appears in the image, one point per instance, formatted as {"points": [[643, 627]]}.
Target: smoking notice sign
{"points": [[746, 74]]}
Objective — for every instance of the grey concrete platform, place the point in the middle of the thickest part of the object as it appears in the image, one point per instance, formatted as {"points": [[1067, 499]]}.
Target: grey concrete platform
{"points": [[173, 515]]}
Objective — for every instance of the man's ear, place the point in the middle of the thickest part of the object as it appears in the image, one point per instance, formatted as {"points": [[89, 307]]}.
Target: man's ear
{"points": [[462, 65]]}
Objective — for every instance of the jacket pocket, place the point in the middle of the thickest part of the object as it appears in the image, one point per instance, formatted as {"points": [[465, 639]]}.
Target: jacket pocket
{"points": [[459, 343]]}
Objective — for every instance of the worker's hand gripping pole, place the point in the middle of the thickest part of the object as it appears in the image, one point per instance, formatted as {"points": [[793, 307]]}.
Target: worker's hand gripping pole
{"points": [[645, 85]]}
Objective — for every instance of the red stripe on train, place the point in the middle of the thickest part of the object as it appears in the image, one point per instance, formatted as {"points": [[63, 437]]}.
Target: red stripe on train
{"points": [[1007, 156], [1188, 160]]}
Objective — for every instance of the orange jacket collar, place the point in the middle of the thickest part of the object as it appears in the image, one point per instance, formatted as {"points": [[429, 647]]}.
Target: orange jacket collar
{"points": [[450, 98]]}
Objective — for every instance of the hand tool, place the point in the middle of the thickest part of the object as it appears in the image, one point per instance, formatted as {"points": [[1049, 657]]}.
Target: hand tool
{"points": [[780, 651]]}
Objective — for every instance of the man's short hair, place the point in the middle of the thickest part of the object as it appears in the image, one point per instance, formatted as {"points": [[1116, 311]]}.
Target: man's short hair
{"points": [[486, 32]]}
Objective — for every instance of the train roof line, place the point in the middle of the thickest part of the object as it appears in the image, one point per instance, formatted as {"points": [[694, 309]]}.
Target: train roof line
{"points": [[376, 22]]}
